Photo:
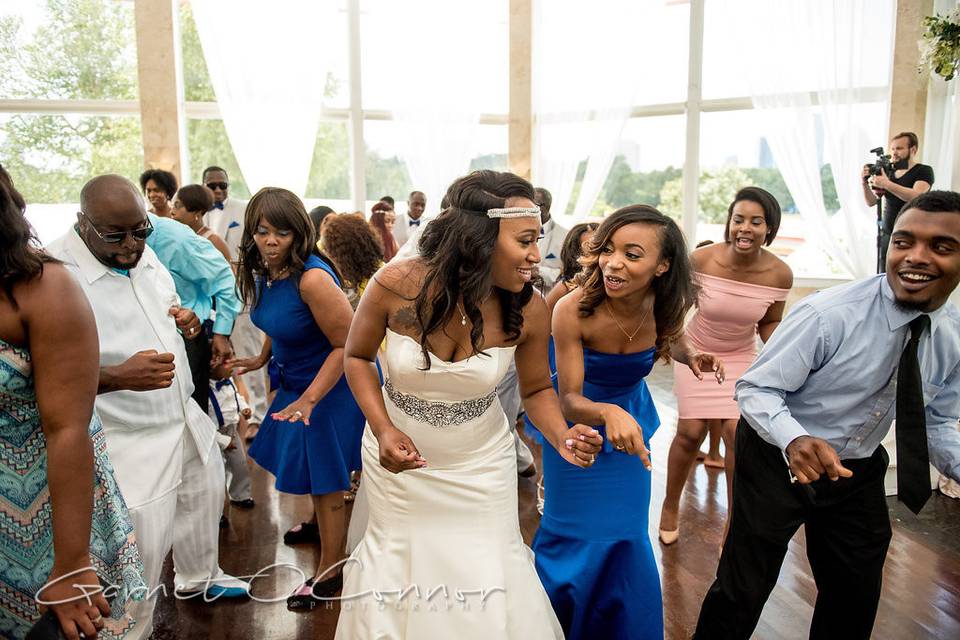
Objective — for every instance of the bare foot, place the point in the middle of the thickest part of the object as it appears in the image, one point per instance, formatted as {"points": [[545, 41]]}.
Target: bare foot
{"points": [[713, 463]]}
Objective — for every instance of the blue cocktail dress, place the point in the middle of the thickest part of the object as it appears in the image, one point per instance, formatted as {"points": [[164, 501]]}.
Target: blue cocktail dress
{"points": [[306, 459], [593, 550]]}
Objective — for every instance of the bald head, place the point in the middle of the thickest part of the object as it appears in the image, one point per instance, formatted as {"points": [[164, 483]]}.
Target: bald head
{"points": [[111, 204], [108, 191]]}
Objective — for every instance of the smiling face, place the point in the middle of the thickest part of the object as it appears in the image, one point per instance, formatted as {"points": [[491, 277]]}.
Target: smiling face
{"points": [[156, 195], [516, 253], [631, 260], [274, 244], [923, 259], [747, 228]]}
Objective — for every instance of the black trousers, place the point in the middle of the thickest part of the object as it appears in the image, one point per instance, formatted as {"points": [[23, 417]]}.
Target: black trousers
{"points": [[198, 355], [847, 530]]}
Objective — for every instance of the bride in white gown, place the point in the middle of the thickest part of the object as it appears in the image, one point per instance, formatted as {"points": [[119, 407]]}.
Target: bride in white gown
{"points": [[442, 555]]}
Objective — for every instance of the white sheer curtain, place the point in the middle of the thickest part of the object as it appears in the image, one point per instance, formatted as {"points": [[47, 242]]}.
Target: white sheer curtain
{"points": [[268, 72], [435, 77], [584, 83], [839, 52], [855, 41]]}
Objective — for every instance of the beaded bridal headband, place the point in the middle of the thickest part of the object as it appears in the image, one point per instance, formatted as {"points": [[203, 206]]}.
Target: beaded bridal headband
{"points": [[514, 212]]}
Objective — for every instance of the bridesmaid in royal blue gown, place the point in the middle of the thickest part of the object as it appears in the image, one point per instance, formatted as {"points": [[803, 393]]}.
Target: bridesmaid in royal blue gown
{"points": [[593, 550], [310, 439]]}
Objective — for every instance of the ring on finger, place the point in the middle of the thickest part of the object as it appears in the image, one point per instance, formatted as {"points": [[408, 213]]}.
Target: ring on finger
{"points": [[619, 447], [298, 414]]}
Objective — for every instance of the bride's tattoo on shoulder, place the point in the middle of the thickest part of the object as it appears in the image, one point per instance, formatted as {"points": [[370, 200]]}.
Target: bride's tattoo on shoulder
{"points": [[405, 317]]}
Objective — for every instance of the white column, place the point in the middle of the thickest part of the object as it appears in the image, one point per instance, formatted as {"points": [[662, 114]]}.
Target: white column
{"points": [[691, 164], [161, 86]]}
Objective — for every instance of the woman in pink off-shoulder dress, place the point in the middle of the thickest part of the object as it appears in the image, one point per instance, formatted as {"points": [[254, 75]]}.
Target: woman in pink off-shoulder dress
{"points": [[743, 290]]}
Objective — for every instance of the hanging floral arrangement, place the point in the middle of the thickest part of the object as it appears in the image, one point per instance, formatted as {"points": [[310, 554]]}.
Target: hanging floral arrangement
{"points": [[940, 46]]}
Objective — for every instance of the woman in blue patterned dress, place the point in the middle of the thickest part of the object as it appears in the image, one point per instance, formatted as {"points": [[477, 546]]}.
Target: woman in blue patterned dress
{"points": [[310, 439], [593, 549], [63, 520]]}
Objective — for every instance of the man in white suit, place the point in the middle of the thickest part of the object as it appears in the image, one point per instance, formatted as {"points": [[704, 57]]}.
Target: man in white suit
{"points": [[412, 220], [551, 241], [160, 442], [226, 220]]}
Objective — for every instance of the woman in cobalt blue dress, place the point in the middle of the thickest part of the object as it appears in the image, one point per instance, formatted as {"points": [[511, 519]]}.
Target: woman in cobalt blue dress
{"points": [[310, 439], [593, 550]]}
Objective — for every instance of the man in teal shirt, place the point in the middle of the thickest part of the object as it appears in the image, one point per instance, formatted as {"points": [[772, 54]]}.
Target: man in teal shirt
{"points": [[204, 281]]}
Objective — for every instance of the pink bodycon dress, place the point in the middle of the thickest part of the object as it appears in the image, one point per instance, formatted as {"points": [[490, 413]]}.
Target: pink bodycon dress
{"points": [[726, 326]]}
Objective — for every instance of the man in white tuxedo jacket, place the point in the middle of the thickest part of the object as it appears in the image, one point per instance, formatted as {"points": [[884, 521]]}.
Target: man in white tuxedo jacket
{"points": [[409, 223], [551, 241], [226, 220]]}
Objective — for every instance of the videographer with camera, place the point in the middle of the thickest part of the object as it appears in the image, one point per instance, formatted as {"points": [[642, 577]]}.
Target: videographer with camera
{"points": [[899, 180]]}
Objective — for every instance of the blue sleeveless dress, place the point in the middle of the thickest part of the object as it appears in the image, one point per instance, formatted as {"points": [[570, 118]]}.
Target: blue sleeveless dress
{"points": [[315, 459], [593, 550]]}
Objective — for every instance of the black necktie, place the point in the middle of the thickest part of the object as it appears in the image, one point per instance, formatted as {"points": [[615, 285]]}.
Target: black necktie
{"points": [[913, 459]]}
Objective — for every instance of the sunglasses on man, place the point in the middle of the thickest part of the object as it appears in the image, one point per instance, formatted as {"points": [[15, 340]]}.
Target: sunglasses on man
{"points": [[213, 186], [116, 237]]}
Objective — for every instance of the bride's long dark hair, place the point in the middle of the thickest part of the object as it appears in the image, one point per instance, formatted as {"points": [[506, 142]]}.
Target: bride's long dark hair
{"points": [[21, 260], [458, 249]]}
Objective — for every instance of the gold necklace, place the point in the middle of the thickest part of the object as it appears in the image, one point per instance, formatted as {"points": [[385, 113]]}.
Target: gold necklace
{"points": [[280, 274], [606, 301]]}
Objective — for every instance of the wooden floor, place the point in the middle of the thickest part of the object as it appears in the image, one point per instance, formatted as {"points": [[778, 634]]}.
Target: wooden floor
{"points": [[921, 592]]}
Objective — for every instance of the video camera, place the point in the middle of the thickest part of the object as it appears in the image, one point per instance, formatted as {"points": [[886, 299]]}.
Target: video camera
{"points": [[882, 164]]}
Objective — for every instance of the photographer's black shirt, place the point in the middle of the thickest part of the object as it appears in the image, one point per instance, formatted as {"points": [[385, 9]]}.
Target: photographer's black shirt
{"points": [[892, 204]]}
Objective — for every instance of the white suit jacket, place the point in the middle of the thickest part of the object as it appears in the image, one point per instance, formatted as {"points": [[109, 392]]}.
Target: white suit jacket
{"points": [[144, 429], [402, 229], [228, 224], [550, 245]]}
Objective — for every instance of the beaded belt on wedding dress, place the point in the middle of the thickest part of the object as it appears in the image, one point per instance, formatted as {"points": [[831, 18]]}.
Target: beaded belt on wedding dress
{"points": [[439, 414]]}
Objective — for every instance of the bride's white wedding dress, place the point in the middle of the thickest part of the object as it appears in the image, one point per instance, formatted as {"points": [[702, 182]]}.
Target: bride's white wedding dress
{"points": [[442, 556]]}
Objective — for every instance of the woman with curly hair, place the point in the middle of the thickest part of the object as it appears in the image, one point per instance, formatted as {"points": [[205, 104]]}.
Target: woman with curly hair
{"points": [[593, 551], [356, 251], [439, 465], [310, 439], [382, 220]]}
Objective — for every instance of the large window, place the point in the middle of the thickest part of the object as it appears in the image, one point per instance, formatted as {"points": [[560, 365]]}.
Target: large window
{"points": [[648, 167], [50, 156]]}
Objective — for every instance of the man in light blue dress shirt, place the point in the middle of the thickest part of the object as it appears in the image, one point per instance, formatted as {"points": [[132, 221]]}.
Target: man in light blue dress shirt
{"points": [[815, 406], [203, 278]]}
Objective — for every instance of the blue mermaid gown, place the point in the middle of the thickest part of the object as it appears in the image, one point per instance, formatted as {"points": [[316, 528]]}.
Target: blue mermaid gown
{"points": [[593, 551], [315, 459]]}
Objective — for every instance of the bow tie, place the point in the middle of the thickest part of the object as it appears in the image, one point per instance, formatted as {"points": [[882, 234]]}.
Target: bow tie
{"points": [[220, 384], [218, 205], [415, 223]]}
